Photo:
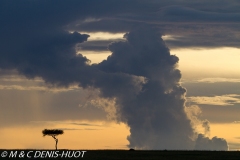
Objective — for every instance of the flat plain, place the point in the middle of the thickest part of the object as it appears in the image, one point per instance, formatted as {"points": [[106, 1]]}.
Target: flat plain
{"points": [[145, 155], [161, 155]]}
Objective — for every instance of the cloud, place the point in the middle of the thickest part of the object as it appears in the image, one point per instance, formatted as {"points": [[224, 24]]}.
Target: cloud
{"points": [[236, 122], [194, 35], [161, 99], [121, 19], [205, 143], [66, 123], [193, 25], [96, 45], [193, 112], [212, 80], [204, 36], [108, 105], [84, 124], [223, 100], [206, 126], [205, 89], [185, 14], [71, 129], [72, 16], [36, 88]]}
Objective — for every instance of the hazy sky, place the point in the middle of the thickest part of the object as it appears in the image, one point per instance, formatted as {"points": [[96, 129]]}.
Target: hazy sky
{"points": [[119, 74]]}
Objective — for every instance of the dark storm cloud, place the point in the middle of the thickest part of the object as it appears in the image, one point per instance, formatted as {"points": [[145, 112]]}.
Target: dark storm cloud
{"points": [[189, 35], [27, 22], [194, 25], [105, 25], [203, 35], [186, 14], [34, 42]]}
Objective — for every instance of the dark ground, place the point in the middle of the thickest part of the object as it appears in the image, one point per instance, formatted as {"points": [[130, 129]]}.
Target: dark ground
{"points": [[161, 155], [144, 155]]}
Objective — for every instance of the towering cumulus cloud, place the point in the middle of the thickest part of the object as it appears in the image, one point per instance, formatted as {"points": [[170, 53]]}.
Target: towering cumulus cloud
{"points": [[155, 115]]}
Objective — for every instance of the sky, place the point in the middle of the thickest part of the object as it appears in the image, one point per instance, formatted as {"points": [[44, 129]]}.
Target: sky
{"points": [[120, 74]]}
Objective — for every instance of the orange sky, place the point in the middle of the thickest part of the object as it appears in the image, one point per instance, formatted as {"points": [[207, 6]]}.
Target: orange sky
{"points": [[105, 136]]}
